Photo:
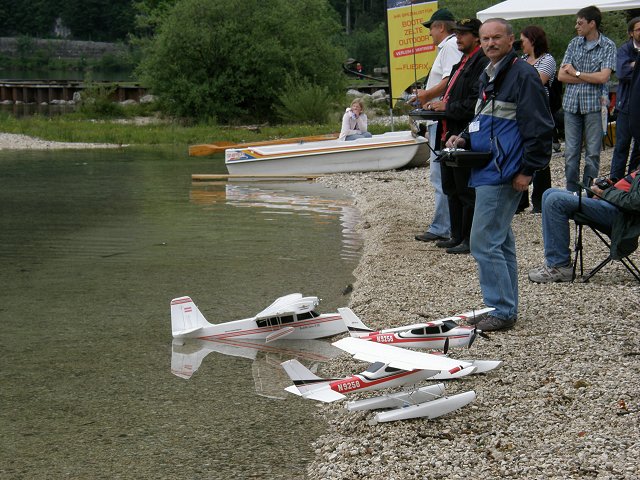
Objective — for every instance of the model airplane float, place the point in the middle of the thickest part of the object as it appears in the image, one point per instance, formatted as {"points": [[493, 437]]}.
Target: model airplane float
{"points": [[439, 334], [292, 316], [390, 367]]}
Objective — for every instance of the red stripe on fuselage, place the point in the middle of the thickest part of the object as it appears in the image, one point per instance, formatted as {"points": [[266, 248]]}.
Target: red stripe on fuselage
{"points": [[273, 328]]}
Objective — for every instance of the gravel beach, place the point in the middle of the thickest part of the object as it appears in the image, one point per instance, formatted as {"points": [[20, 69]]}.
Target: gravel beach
{"points": [[12, 141], [565, 403]]}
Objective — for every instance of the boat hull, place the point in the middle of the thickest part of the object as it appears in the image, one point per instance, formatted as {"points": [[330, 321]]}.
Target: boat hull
{"points": [[389, 151]]}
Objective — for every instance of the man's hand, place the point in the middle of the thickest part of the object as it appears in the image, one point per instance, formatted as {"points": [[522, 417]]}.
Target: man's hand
{"points": [[521, 182], [597, 190], [437, 106], [455, 141]]}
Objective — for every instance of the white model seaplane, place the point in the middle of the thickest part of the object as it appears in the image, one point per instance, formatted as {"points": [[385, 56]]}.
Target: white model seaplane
{"points": [[391, 367], [292, 316], [439, 334]]}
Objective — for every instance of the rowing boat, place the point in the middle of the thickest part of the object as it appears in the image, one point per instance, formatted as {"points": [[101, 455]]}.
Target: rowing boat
{"points": [[388, 151]]}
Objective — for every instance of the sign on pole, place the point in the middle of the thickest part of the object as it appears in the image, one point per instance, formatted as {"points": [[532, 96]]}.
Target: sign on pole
{"points": [[411, 48]]}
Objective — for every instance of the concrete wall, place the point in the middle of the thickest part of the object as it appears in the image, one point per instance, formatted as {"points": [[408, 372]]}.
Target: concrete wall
{"points": [[63, 48]]}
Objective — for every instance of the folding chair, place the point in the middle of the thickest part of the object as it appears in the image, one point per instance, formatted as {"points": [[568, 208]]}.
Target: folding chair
{"points": [[604, 234]]}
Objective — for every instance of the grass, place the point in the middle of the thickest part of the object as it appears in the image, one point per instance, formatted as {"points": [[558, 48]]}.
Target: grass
{"points": [[75, 128]]}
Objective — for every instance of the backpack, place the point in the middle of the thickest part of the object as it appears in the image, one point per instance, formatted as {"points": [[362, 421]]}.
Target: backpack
{"points": [[555, 94]]}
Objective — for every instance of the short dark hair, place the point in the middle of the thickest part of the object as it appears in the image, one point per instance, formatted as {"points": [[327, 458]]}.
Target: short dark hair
{"points": [[591, 13], [632, 23], [538, 39]]}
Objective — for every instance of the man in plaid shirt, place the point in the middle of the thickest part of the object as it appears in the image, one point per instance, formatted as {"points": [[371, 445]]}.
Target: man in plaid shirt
{"points": [[586, 68]]}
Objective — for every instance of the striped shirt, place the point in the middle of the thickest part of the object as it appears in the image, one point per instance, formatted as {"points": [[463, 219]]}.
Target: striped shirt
{"points": [[545, 64], [587, 57]]}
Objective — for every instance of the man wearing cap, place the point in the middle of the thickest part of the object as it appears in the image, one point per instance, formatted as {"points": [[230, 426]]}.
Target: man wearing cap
{"points": [[513, 122], [440, 27], [458, 103]]}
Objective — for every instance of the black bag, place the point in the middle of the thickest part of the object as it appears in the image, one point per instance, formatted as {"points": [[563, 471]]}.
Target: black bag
{"points": [[555, 94]]}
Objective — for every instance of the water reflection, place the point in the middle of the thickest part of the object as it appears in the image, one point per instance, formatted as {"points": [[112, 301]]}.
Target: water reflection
{"points": [[323, 204], [93, 246], [269, 378]]}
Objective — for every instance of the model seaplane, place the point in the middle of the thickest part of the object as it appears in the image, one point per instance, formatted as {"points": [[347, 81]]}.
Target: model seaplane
{"points": [[439, 334], [292, 316], [390, 367]]}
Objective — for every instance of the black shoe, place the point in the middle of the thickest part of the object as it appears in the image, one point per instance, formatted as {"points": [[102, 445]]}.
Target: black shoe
{"points": [[447, 243], [463, 248], [536, 210], [429, 237], [491, 323]]}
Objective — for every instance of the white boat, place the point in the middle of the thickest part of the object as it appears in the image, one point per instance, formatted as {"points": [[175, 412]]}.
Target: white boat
{"points": [[388, 151]]}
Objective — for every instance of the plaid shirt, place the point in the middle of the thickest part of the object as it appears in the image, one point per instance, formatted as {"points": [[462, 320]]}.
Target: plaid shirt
{"points": [[585, 97]]}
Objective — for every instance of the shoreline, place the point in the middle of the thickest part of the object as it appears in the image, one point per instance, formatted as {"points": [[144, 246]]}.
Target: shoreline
{"points": [[14, 141], [564, 404]]}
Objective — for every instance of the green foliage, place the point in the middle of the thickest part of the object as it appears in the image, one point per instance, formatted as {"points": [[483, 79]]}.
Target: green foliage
{"points": [[98, 101], [226, 59], [303, 102], [369, 47]]}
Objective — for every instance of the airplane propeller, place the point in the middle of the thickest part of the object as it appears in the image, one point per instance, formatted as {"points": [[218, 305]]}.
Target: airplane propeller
{"points": [[472, 338], [446, 345]]}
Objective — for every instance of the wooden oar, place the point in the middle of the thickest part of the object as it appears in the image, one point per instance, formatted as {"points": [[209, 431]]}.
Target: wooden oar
{"points": [[219, 147]]}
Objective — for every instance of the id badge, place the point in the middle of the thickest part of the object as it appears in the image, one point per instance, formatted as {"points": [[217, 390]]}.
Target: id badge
{"points": [[474, 126]]}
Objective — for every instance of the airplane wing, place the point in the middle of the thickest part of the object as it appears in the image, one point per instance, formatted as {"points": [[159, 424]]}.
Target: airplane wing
{"points": [[434, 323], [398, 357], [280, 303]]}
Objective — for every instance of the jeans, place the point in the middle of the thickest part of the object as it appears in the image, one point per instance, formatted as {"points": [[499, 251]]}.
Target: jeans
{"points": [[441, 224], [574, 125], [355, 136], [558, 206], [493, 246], [621, 150]]}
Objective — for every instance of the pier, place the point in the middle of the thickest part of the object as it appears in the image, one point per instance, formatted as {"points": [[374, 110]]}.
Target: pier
{"points": [[62, 91]]}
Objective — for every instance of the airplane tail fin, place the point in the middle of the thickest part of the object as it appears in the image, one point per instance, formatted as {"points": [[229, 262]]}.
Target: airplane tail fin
{"points": [[355, 326], [186, 318], [308, 385]]}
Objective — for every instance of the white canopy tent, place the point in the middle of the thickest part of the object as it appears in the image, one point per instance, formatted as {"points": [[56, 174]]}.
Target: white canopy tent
{"points": [[512, 9]]}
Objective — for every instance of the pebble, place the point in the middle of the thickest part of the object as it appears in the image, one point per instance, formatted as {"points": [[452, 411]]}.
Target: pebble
{"points": [[551, 411]]}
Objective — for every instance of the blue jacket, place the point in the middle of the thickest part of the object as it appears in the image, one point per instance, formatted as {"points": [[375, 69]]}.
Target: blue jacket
{"points": [[513, 121], [626, 54]]}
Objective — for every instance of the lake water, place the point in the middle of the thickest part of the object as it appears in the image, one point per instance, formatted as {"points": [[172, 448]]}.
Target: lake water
{"points": [[93, 246]]}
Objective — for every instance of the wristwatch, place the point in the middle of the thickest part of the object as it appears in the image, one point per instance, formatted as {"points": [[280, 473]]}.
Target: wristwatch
{"points": [[578, 74]]}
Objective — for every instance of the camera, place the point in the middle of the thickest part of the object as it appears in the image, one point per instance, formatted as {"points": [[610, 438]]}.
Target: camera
{"points": [[603, 182], [459, 157]]}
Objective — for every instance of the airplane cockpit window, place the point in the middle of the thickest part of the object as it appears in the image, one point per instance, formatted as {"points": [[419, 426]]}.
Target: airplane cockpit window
{"points": [[374, 367], [286, 319], [391, 369], [448, 325], [304, 316], [274, 321], [418, 331], [432, 330], [262, 323]]}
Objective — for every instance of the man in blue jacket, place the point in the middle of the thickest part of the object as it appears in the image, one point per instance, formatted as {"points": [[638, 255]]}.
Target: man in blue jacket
{"points": [[626, 60], [514, 123]]}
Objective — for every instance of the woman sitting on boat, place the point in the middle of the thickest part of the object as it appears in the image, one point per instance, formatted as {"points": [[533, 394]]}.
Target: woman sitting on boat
{"points": [[354, 122]]}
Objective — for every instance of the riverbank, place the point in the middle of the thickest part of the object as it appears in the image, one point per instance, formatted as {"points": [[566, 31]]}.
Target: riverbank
{"points": [[563, 405]]}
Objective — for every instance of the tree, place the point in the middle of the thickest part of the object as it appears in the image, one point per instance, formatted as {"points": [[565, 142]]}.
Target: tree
{"points": [[227, 59]]}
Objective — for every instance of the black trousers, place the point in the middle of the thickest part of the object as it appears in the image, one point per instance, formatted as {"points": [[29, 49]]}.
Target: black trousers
{"points": [[461, 198], [541, 183]]}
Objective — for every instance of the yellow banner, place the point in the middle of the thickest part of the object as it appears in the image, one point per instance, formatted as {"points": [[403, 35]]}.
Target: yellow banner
{"points": [[411, 48]]}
